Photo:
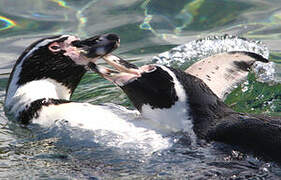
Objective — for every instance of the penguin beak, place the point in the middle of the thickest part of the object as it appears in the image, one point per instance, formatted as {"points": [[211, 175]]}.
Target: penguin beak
{"points": [[125, 72], [97, 46]]}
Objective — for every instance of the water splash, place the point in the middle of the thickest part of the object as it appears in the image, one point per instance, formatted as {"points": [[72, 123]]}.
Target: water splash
{"points": [[208, 46], [184, 55], [7, 23], [267, 73]]}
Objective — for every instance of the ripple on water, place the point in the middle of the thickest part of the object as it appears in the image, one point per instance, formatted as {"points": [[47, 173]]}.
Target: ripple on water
{"points": [[46, 154], [162, 18]]}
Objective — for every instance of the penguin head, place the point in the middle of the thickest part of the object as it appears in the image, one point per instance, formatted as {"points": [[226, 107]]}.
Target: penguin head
{"points": [[171, 97], [155, 90], [62, 59], [154, 85]]}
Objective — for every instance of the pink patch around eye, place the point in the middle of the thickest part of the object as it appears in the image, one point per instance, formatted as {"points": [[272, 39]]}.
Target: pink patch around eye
{"points": [[54, 47]]}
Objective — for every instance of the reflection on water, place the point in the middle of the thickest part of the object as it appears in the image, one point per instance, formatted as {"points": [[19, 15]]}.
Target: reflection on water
{"points": [[6, 23], [196, 15], [61, 3], [146, 28]]}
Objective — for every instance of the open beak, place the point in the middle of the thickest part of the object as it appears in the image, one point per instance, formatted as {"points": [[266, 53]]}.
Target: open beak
{"points": [[97, 46], [100, 47], [125, 72]]}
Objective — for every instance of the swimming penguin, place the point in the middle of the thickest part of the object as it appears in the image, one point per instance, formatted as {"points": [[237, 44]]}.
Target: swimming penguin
{"points": [[181, 99], [44, 78], [49, 70]]}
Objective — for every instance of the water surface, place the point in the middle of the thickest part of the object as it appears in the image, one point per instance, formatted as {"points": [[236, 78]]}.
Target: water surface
{"points": [[146, 28]]}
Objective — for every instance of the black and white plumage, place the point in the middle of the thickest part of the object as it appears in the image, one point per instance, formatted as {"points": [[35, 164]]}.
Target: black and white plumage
{"points": [[184, 101], [49, 70], [46, 74], [44, 78]]}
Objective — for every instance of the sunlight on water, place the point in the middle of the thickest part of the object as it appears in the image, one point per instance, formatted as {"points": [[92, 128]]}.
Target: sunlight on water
{"points": [[6, 23], [147, 24], [164, 20], [146, 28], [61, 3]]}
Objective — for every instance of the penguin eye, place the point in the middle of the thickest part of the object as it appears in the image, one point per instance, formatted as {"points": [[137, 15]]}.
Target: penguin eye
{"points": [[54, 47]]}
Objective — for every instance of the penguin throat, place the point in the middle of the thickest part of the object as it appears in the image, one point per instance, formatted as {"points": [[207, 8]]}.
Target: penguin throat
{"points": [[176, 118], [20, 99]]}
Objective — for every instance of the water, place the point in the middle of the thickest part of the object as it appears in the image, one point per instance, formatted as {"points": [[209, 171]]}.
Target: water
{"points": [[146, 28]]}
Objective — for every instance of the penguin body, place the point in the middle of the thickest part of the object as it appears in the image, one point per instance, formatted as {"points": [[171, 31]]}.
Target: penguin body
{"points": [[157, 91], [44, 78]]}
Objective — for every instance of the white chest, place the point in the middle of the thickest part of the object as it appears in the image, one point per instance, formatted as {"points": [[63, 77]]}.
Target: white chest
{"points": [[175, 118], [18, 99]]}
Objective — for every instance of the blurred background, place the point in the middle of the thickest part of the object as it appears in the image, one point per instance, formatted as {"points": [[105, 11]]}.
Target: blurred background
{"points": [[146, 28]]}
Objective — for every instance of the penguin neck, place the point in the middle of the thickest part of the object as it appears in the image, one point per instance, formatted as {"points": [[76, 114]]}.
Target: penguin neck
{"points": [[25, 95], [178, 111], [205, 107]]}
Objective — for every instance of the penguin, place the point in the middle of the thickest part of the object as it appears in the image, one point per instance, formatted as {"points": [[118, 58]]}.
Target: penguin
{"points": [[182, 100], [45, 76], [48, 72]]}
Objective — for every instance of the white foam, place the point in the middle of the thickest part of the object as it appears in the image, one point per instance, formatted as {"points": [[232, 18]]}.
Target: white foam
{"points": [[184, 55], [198, 49], [267, 72], [106, 120]]}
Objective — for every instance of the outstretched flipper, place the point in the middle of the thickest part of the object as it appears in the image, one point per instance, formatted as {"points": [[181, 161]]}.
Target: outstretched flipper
{"points": [[222, 72]]}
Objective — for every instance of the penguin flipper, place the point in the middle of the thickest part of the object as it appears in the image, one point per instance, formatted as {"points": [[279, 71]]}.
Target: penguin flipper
{"points": [[221, 72]]}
